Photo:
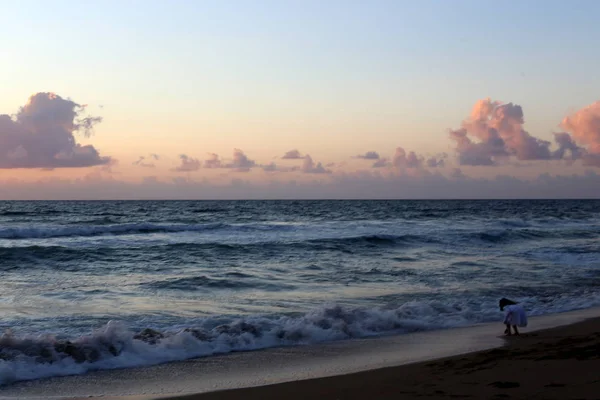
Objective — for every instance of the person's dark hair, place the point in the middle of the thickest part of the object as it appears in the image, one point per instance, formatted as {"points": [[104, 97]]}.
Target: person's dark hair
{"points": [[505, 302]]}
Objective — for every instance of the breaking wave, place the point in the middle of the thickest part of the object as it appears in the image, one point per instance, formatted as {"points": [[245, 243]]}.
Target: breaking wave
{"points": [[115, 345]]}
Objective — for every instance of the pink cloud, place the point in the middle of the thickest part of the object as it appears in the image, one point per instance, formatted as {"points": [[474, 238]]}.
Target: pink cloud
{"points": [[498, 130], [584, 125]]}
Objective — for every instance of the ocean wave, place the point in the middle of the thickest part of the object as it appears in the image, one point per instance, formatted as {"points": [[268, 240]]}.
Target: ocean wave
{"points": [[207, 210], [124, 229], [32, 252], [467, 264], [508, 235], [237, 281], [116, 345], [515, 223], [375, 240], [18, 213]]}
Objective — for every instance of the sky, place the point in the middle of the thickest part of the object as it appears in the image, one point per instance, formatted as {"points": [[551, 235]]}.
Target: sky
{"points": [[299, 99]]}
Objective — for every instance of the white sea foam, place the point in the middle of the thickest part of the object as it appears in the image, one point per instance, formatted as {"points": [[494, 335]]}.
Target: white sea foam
{"points": [[116, 346]]}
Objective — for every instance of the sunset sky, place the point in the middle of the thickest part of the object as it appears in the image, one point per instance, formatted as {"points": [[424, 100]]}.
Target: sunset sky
{"points": [[299, 99]]}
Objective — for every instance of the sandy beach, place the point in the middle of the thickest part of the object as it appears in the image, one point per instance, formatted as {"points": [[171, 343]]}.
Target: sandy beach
{"points": [[557, 363]]}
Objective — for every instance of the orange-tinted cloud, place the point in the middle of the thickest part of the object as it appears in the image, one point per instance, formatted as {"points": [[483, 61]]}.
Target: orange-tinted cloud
{"points": [[584, 125], [499, 131]]}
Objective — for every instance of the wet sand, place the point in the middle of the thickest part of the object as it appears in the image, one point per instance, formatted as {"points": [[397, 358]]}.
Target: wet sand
{"points": [[557, 363]]}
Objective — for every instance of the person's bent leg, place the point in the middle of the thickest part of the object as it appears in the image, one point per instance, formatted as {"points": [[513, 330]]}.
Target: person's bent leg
{"points": [[515, 328]]}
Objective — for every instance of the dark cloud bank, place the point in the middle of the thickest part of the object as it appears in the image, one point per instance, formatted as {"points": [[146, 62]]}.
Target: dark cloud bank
{"points": [[366, 185]]}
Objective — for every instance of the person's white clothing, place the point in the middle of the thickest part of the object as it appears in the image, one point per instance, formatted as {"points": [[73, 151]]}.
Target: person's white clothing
{"points": [[515, 315]]}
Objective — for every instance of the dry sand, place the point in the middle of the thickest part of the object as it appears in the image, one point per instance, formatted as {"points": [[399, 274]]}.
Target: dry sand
{"points": [[558, 363]]}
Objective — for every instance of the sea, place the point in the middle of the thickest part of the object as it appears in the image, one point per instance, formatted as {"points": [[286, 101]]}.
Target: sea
{"points": [[89, 285]]}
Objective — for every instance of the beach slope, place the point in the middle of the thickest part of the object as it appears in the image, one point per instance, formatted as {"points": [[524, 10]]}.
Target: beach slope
{"points": [[557, 363]]}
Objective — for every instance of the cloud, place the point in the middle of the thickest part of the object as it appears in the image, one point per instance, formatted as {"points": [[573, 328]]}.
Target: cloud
{"points": [[457, 174], [272, 167], [292, 155], [188, 164], [110, 167], [41, 135], [363, 185], [486, 152], [241, 162], [591, 160], [141, 162], [494, 133], [584, 125], [403, 160], [309, 167], [369, 155], [411, 160], [213, 161], [498, 130], [567, 148], [381, 163], [437, 161]]}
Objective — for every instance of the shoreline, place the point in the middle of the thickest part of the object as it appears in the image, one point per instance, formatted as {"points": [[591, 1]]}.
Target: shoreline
{"points": [[555, 363], [263, 368]]}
